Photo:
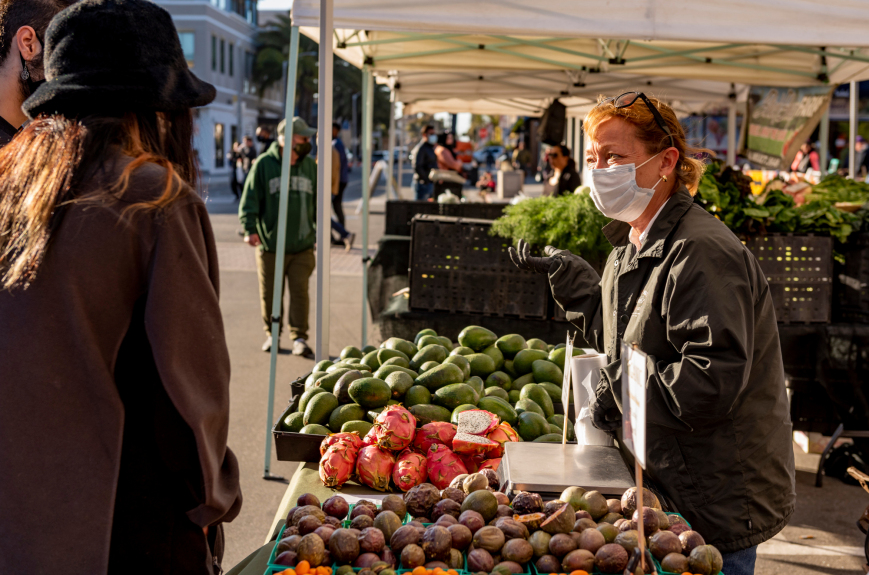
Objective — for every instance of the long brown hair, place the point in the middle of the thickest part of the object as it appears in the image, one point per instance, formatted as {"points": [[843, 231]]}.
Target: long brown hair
{"points": [[47, 166]]}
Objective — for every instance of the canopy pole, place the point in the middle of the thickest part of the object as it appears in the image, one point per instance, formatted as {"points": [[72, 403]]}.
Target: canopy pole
{"points": [[401, 151], [824, 136], [390, 191], [278, 289], [324, 181], [367, 118], [852, 132], [731, 133]]}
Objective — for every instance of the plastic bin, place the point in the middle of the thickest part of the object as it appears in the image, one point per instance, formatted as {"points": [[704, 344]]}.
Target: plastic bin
{"points": [[799, 270], [851, 281], [295, 446], [399, 214], [456, 266]]}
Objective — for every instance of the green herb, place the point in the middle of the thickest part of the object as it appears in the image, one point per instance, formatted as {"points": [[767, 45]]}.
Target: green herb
{"points": [[570, 222]]}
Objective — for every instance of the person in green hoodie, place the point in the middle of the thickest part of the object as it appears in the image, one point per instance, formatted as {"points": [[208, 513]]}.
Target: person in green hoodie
{"points": [[258, 212]]}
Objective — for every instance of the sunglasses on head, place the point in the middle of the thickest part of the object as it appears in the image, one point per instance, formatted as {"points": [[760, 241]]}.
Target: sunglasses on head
{"points": [[628, 99]]}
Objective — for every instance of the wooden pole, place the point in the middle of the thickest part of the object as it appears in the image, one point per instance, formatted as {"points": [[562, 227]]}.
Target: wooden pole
{"points": [[641, 539]]}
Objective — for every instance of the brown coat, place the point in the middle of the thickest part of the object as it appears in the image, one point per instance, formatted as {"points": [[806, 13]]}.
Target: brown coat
{"points": [[114, 406]]}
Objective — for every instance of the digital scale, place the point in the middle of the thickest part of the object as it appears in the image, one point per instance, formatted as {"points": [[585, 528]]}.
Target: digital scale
{"points": [[549, 468]]}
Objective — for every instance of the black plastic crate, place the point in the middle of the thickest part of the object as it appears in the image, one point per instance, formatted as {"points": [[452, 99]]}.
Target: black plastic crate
{"points": [[399, 214], [296, 446], [479, 210], [851, 281], [456, 266], [799, 270]]}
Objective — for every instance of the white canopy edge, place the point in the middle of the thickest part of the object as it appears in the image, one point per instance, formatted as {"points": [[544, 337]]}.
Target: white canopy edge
{"points": [[798, 22]]}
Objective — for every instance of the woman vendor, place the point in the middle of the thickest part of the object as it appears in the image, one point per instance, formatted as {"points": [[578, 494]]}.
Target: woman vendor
{"points": [[694, 299]]}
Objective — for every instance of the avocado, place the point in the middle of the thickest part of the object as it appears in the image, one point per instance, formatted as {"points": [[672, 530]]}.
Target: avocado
{"points": [[307, 395], [343, 384], [399, 382], [523, 360], [525, 404], [499, 379], [477, 384], [531, 426], [399, 361], [371, 360], [401, 345], [496, 392], [432, 352], [545, 370], [445, 341], [315, 375], [482, 365], [384, 354], [511, 344], [496, 355], [539, 396], [548, 438], [428, 413], [344, 413], [329, 380], [423, 332], [477, 338], [441, 375], [417, 395], [293, 422], [538, 344], [314, 429], [319, 408], [351, 351], [428, 366], [508, 369], [428, 340], [370, 392], [462, 350], [462, 362], [387, 369], [323, 365], [513, 395], [554, 392], [558, 355], [521, 382], [360, 427], [453, 395], [368, 349]]}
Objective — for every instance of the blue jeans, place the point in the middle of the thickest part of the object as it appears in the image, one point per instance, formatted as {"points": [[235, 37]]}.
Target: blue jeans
{"points": [[342, 231], [423, 191], [740, 562]]}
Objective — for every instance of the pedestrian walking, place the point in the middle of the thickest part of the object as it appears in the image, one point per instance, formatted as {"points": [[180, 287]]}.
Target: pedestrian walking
{"points": [[236, 173], [22, 31], [343, 175], [424, 161], [258, 212], [109, 305]]}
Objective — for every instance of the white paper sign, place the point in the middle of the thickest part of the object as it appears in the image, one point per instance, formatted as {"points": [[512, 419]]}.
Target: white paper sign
{"points": [[634, 401], [565, 384]]}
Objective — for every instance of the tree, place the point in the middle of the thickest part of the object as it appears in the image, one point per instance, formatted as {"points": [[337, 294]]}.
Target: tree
{"points": [[273, 51]]}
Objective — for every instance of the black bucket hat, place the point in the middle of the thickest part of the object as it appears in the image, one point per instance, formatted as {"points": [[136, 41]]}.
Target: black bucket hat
{"points": [[115, 56]]}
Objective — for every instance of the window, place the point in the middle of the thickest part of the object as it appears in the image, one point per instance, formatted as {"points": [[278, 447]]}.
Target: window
{"points": [[188, 45], [219, 149], [222, 56], [231, 60], [214, 53]]}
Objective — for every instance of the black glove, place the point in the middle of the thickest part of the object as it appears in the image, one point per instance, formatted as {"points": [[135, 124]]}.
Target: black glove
{"points": [[605, 414], [523, 259]]}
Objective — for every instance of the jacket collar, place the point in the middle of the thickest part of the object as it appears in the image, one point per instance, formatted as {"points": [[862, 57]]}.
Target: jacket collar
{"points": [[618, 233]]}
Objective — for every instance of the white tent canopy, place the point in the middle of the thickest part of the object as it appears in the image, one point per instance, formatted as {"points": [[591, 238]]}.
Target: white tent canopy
{"points": [[752, 63], [798, 22]]}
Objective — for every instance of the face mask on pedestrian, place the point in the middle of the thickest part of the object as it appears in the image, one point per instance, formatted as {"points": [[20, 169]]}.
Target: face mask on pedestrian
{"points": [[28, 84], [432, 139], [616, 194], [302, 150]]}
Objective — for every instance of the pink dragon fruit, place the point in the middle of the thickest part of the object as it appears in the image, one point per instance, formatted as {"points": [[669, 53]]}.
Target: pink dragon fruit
{"points": [[410, 470], [336, 465], [370, 437], [443, 466], [472, 462], [467, 444], [394, 428], [490, 464], [477, 422], [374, 467], [351, 438], [441, 432], [501, 435]]}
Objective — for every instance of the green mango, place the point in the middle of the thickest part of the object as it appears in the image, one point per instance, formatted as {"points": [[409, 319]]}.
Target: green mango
{"points": [[539, 396], [521, 382], [371, 360], [351, 351], [368, 349], [344, 413], [531, 425], [537, 344], [511, 344], [432, 352], [545, 370], [477, 384], [525, 404], [508, 369], [387, 369], [428, 413], [399, 361], [315, 429], [477, 338], [329, 380], [482, 365], [421, 334], [462, 362], [293, 422], [462, 350], [499, 407], [496, 392], [402, 345], [323, 365], [385, 354], [441, 375], [523, 360], [417, 395], [399, 382], [498, 379], [319, 408], [496, 355], [453, 395]]}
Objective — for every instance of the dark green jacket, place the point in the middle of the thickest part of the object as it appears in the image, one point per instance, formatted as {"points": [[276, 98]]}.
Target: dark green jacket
{"points": [[260, 201], [718, 422]]}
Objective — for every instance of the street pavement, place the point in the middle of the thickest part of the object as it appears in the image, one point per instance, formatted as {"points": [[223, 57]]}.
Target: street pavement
{"points": [[821, 537]]}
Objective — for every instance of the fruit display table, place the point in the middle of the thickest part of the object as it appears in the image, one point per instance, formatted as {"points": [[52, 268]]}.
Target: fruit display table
{"points": [[305, 480]]}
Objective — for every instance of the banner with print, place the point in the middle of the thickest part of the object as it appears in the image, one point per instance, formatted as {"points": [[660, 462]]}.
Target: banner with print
{"points": [[780, 120]]}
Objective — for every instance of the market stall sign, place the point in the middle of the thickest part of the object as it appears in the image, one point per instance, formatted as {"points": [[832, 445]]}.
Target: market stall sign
{"points": [[634, 401], [780, 120]]}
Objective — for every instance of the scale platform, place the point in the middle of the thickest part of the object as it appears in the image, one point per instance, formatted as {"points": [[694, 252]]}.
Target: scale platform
{"points": [[549, 468]]}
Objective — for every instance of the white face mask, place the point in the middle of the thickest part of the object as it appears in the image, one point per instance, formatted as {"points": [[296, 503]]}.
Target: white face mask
{"points": [[433, 139], [616, 194]]}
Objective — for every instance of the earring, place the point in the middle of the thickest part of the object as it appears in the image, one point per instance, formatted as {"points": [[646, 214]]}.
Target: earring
{"points": [[664, 178]]}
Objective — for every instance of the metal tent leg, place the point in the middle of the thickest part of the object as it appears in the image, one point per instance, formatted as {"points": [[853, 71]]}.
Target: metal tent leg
{"points": [[281, 248], [367, 119]]}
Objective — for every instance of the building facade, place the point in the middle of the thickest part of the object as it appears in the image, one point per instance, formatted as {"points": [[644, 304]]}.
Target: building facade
{"points": [[218, 38]]}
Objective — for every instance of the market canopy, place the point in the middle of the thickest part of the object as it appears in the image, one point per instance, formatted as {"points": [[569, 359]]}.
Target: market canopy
{"points": [[529, 92], [797, 22]]}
